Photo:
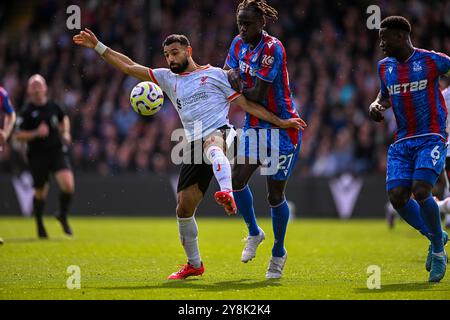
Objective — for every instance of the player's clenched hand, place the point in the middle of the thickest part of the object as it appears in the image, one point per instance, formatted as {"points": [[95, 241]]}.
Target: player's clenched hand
{"points": [[86, 38], [42, 131], [235, 79], [375, 111], [296, 123]]}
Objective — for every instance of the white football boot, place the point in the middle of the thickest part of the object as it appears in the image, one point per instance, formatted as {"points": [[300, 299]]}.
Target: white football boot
{"points": [[252, 244], [276, 266]]}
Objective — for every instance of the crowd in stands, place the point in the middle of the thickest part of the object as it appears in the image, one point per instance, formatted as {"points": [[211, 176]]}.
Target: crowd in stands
{"points": [[331, 54]]}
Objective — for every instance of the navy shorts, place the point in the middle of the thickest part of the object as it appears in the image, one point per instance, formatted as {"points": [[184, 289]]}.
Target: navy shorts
{"points": [[420, 158]]}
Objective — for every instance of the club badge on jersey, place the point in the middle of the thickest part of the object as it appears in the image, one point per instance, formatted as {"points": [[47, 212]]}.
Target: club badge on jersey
{"points": [[267, 61]]}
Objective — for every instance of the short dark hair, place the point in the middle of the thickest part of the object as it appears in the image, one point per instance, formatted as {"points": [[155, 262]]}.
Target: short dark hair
{"points": [[396, 23], [180, 38]]}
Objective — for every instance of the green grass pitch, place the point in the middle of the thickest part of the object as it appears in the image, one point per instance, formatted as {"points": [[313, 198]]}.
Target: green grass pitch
{"points": [[130, 258]]}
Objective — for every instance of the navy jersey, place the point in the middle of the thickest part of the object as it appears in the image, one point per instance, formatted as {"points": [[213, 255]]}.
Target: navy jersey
{"points": [[266, 61], [413, 89]]}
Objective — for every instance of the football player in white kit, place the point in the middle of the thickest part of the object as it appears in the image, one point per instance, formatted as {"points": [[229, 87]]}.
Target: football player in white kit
{"points": [[202, 97]]}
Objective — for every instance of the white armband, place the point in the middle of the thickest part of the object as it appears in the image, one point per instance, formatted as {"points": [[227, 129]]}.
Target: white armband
{"points": [[100, 48]]}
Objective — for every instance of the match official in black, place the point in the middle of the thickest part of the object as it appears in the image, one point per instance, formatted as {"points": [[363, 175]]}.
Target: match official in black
{"points": [[46, 129]]}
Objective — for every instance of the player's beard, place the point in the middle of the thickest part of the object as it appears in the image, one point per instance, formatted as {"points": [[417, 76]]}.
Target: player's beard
{"points": [[179, 68]]}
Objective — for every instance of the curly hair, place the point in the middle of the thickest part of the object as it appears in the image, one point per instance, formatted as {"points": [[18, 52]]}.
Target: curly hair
{"points": [[260, 6]]}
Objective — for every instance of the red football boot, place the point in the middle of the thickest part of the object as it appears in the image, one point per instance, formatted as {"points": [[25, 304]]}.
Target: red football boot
{"points": [[187, 270], [226, 200]]}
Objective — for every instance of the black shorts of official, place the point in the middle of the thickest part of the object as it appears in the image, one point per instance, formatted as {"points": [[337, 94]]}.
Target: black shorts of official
{"points": [[44, 164], [200, 173]]}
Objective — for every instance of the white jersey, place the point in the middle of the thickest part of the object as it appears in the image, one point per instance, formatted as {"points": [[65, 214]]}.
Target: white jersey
{"points": [[202, 98]]}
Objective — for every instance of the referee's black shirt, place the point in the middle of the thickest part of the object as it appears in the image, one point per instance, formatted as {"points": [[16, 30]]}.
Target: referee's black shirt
{"points": [[33, 116]]}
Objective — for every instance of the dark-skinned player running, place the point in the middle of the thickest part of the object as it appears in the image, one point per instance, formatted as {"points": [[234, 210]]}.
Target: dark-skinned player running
{"points": [[258, 68], [409, 79]]}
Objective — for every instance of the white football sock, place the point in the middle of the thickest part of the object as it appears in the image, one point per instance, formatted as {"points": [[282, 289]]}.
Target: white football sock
{"points": [[189, 239], [447, 219], [221, 167], [390, 209], [444, 206], [446, 192]]}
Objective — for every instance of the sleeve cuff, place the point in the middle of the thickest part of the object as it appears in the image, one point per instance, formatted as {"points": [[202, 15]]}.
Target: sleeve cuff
{"points": [[233, 96], [264, 78], [231, 67], [152, 76]]}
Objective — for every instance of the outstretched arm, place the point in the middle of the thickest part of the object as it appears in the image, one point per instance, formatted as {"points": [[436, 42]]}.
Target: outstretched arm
{"points": [[262, 113], [234, 78], [118, 60], [259, 91]]}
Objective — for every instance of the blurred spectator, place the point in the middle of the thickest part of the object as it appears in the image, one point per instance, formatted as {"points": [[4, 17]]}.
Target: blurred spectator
{"points": [[125, 117], [331, 58]]}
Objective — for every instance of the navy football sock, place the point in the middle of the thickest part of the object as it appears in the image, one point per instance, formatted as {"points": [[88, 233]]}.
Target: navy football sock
{"points": [[411, 213], [429, 211], [280, 219], [38, 208], [244, 203]]}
